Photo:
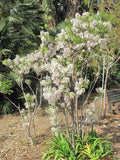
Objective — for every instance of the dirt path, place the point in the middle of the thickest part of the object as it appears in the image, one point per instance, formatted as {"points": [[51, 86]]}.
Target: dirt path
{"points": [[14, 146]]}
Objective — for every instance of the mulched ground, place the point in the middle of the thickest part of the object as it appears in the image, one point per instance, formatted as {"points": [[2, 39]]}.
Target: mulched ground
{"points": [[14, 145]]}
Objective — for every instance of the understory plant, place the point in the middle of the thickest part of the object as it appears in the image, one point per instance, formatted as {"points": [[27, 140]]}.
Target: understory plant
{"points": [[91, 147], [62, 67], [6, 89]]}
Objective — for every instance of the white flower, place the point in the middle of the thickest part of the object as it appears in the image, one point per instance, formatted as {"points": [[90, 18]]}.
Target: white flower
{"points": [[103, 43], [61, 88], [43, 83], [91, 113], [55, 130], [25, 124], [22, 111], [85, 14], [65, 80], [62, 105], [25, 118], [84, 25], [72, 95], [98, 13], [93, 24], [51, 110], [80, 81], [80, 92], [100, 91], [27, 105], [53, 120], [93, 107], [33, 104], [107, 24], [77, 15], [96, 98]]}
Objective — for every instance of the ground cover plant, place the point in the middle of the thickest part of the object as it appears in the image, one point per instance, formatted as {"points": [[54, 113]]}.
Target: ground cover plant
{"points": [[61, 68], [91, 147]]}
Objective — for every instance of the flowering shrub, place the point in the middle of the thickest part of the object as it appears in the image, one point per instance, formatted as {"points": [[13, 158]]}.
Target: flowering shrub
{"points": [[60, 65]]}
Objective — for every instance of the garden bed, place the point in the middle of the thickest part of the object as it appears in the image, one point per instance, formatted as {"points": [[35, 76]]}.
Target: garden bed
{"points": [[14, 146]]}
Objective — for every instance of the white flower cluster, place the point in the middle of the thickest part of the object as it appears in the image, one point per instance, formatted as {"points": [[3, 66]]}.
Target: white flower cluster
{"points": [[29, 101], [44, 38], [100, 91], [25, 118], [82, 29], [51, 94], [52, 110], [80, 86], [92, 112]]}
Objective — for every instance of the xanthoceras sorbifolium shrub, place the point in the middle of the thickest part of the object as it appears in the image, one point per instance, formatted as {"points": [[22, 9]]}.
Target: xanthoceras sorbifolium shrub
{"points": [[61, 64]]}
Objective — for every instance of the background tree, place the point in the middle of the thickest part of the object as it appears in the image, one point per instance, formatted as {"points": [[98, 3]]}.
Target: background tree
{"points": [[56, 11], [20, 23]]}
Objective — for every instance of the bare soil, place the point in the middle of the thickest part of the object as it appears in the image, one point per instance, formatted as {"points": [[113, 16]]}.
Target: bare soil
{"points": [[14, 145]]}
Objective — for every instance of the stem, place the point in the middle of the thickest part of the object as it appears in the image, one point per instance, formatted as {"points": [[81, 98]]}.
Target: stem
{"points": [[77, 122], [66, 124], [89, 92], [34, 131], [106, 78], [102, 87], [73, 128], [40, 101], [81, 123], [11, 102]]}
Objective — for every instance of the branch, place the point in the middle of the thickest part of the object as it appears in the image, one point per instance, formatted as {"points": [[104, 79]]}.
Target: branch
{"points": [[12, 102], [114, 63]]}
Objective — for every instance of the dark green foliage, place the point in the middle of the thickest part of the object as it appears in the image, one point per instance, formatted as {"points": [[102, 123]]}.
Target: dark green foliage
{"points": [[20, 22], [5, 107], [56, 11], [6, 90], [55, 30]]}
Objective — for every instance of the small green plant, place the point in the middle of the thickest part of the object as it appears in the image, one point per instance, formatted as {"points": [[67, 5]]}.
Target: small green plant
{"points": [[59, 148], [91, 147], [90, 136], [96, 147]]}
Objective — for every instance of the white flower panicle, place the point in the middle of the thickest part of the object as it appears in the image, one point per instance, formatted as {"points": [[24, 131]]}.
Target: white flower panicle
{"points": [[54, 119], [92, 112], [100, 91], [81, 85]]}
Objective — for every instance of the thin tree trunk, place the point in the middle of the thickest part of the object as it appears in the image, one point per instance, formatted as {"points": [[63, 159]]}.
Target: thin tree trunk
{"points": [[67, 127], [77, 121], [105, 88], [73, 128], [34, 131], [102, 88]]}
